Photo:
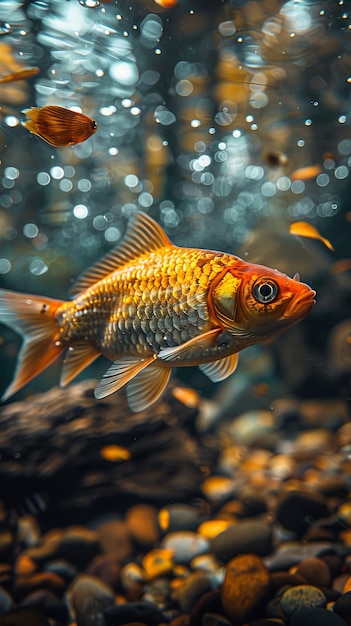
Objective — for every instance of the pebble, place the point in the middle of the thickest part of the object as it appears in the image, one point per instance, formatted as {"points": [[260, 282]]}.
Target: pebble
{"points": [[193, 587], [106, 568], [142, 612], [78, 545], [245, 585], [87, 598], [315, 571], [26, 583], [176, 517], [6, 545], [209, 603], [142, 524], [29, 616], [342, 606], [6, 601], [64, 569], [316, 617], [297, 510], [158, 562], [49, 603], [212, 528], [185, 545], [301, 596], [114, 539], [213, 619], [247, 536]]}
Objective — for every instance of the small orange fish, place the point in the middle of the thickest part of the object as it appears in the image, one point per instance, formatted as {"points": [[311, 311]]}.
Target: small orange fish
{"points": [[150, 306], [305, 229], [304, 173], [27, 72], [59, 126]]}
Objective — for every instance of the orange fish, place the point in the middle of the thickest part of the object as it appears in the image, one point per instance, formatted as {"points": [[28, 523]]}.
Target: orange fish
{"points": [[59, 126], [27, 72], [150, 306], [305, 229]]}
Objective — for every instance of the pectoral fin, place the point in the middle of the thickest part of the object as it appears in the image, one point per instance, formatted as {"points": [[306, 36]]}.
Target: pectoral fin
{"points": [[77, 359], [190, 350], [120, 373], [221, 369], [147, 387]]}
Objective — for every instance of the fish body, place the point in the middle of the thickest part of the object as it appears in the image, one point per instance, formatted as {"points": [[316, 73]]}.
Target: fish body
{"points": [[150, 306], [26, 72], [59, 126]]}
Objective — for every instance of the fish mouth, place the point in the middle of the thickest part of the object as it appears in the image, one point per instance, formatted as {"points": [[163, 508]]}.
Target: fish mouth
{"points": [[303, 303]]}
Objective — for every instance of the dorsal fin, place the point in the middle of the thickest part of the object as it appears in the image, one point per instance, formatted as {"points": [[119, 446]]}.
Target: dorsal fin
{"points": [[143, 235]]}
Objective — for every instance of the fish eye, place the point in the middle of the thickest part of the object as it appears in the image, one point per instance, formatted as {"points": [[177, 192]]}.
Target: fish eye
{"points": [[265, 290], [94, 124]]}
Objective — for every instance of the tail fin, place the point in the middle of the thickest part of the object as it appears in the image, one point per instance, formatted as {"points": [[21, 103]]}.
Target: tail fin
{"points": [[33, 318]]}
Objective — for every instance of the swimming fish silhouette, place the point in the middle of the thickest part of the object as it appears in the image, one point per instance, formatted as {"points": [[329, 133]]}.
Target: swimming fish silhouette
{"points": [[150, 306], [59, 126]]}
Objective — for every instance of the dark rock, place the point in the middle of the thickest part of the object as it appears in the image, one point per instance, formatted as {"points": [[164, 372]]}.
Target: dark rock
{"points": [[78, 545], [343, 606], [280, 579], [88, 597], [193, 588], [315, 571], [247, 536], [301, 596], [62, 568], [26, 583], [6, 601], [176, 517], [213, 619], [30, 616], [6, 545], [316, 617], [144, 612], [290, 553], [49, 604], [210, 603], [297, 510], [107, 568]]}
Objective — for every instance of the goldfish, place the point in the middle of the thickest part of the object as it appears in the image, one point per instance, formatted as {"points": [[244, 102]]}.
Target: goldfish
{"points": [[305, 229], [26, 72], [150, 306], [59, 126]]}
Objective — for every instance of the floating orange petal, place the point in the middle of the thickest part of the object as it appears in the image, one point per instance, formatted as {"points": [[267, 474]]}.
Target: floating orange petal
{"points": [[304, 229], [304, 173], [59, 126], [27, 72]]}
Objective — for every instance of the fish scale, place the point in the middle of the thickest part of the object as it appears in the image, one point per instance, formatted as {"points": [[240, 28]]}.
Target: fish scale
{"points": [[179, 304]]}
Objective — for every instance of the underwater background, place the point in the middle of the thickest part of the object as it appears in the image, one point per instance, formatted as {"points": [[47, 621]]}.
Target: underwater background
{"points": [[227, 121]]}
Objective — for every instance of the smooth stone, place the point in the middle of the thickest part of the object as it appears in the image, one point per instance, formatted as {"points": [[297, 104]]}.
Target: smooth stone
{"points": [[141, 520], [66, 570], [28, 616], [144, 612], [281, 579], [49, 604], [301, 596], [343, 606], [249, 427], [157, 562], [158, 592], [107, 568], [193, 587], [245, 585], [28, 532], [6, 601], [185, 545], [298, 510], [208, 604], [212, 528], [78, 545], [176, 517], [24, 565], [212, 619], [248, 536], [205, 563], [115, 539], [6, 545], [26, 583], [316, 617], [315, 571], [87, 598], [290, 553]]}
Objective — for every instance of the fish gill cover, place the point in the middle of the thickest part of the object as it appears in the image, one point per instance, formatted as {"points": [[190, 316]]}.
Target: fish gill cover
{"points": [[226, 121]]}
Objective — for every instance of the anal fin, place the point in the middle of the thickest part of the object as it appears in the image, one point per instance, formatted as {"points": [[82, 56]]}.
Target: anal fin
{"points": [[147, 386], [221, 369], [77, 359]]}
